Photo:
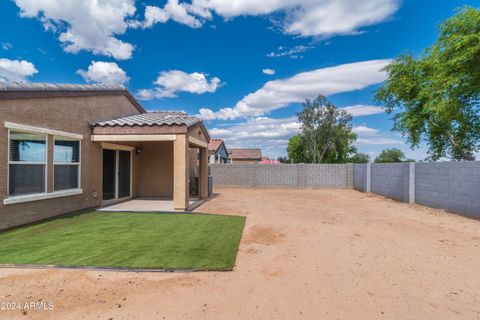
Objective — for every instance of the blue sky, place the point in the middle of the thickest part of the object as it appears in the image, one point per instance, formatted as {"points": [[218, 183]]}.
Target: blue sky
{"points": [[244, 65]]}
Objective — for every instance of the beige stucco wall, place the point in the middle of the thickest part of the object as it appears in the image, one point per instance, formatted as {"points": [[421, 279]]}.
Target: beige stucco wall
{"points": [[156, 169], [197, 133], [180, 172], [70, 114]]}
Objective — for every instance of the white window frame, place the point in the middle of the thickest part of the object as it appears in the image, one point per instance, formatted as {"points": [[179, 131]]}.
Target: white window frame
{"points": [[45, 195], [78, 164], [45, 163]]}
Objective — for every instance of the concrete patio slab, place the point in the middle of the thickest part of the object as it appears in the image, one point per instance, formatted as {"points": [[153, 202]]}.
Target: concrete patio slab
{"points": [[150, 204]]}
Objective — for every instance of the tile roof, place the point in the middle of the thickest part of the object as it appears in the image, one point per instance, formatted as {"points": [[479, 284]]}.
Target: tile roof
{"points": [[245, 153], [153, 118], [214, 144], [20, 90], [31, 86]]}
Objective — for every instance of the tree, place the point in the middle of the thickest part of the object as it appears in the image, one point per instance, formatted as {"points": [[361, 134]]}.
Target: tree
{"points": [[359, 157], [436, 97], [296, 149], [283, 159], [391, 155], [327, 135]]}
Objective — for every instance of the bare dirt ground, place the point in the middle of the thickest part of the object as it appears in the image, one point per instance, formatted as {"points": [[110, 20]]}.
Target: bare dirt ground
{"points": [[305, 254]]}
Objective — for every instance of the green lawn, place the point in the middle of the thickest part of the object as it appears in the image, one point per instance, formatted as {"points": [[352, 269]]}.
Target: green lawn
{"points": [[127, 240]]}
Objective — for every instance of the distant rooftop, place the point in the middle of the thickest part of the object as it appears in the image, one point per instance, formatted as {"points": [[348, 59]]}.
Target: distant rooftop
{"points": [[240, 153], [154, 118], [214, 144]]}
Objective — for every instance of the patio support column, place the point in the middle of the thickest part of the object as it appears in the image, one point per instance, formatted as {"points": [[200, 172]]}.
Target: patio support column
{"points": [[180, 172], [203, 173]]}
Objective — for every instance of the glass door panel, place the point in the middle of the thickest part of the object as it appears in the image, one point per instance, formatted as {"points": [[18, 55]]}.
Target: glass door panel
{"points": [[123, 174], [109, 173]]}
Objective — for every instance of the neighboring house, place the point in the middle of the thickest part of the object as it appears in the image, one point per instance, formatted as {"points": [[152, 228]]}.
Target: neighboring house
{"points": [[217, 151], [65, 148], [237, 155]]}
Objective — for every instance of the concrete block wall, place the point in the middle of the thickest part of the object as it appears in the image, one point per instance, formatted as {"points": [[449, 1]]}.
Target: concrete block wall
{"points": [[391, 180], [223, 174], [284, 175], [360, 177], [273, 175], [349, 173], [454, 186], [322, 175]]}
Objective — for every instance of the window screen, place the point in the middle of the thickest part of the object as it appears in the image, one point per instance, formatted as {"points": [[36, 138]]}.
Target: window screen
{"points": [[66, 177], [27, 162], [66, 155]]}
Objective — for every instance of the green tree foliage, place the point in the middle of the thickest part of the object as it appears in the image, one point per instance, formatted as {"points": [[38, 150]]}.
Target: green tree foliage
{"points": [[296, 149], [435, 97], [359, 157], [283, 159], [326, 136], [391, 155]]}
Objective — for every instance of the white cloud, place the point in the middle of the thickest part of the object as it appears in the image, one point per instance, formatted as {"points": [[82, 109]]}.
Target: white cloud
{"points": [[319, 18], [155, 15], [104, 72], [371, 136], [6, 46], [337, 17], [271, 135], [379, 141], [363, 110], [183, 13], [280, 93], [170, 82], [364, 131], [269, 72], [16, 70], [84, 24], [294, 53]]}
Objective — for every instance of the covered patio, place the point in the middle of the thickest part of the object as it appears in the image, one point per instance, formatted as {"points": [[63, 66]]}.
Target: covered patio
{"points": [[156, 161]]}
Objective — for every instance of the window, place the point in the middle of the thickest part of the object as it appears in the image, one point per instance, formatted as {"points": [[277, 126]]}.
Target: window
{"points": [[27, 163], [66, 157]]}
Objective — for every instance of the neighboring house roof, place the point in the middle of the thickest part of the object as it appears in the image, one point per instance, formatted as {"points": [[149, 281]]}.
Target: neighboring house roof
{"points": [[254, 154], [215, 144], [17, 90]]}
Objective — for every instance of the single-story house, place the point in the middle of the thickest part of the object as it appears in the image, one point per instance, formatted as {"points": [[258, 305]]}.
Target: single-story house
{"points": [[66, 148], [217, 152], [238, 155]]}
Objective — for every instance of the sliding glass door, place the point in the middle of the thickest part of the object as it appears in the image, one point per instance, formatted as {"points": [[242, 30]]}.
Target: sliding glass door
{"points": [[116, 174], [123, 174], [109, 173]]}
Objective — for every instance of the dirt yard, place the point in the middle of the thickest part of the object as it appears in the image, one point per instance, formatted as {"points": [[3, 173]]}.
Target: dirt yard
{"points": [[305, 254]]}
